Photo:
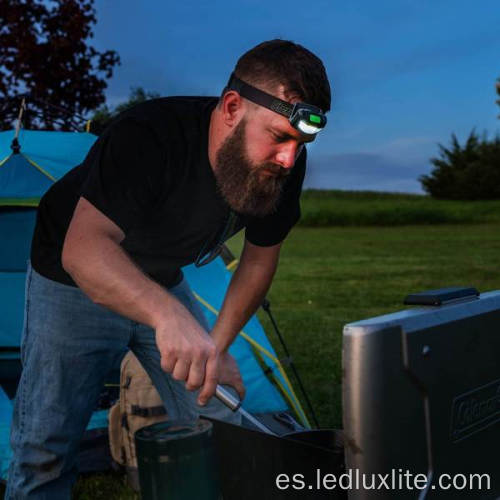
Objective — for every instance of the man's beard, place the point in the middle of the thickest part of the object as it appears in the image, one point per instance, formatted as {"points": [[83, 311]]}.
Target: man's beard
{"points": [[241, 183]]}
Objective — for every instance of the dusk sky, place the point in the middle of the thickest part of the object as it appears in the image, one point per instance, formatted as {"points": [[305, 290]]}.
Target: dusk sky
{"points": [[405, 74]]}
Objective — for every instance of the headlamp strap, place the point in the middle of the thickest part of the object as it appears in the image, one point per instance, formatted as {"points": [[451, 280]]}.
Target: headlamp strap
{"points": [[260, 97]]}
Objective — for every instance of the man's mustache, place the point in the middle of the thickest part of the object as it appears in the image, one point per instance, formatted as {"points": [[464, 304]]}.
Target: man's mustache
{"points": [[277, 170]]}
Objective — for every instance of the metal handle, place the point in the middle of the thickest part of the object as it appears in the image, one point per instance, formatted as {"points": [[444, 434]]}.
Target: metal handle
{"points": [[227, 398]]}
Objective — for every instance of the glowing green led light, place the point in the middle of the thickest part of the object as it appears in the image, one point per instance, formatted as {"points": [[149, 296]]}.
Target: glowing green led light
{"points": [[315, 118]]}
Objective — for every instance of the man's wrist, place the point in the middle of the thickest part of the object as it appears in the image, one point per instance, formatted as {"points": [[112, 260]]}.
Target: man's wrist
{"points": [[163, 306], [222, 342]]}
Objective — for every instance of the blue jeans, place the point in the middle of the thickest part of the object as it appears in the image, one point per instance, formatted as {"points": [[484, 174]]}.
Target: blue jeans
{"points": [[68, 346]]}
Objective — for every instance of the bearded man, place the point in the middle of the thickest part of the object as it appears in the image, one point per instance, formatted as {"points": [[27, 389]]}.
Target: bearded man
{"points": [[164, 186]]}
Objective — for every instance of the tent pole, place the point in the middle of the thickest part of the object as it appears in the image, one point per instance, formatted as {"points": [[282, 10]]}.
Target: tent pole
{"points": [[16, 148], [266, 305], [20, 117]]}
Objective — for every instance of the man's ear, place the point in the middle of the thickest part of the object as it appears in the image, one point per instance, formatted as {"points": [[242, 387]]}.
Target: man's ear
{"points": [[233, 108]]}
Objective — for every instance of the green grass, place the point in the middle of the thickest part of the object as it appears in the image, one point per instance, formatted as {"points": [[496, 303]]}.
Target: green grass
{"points": [[362, 208], [107, 486]]}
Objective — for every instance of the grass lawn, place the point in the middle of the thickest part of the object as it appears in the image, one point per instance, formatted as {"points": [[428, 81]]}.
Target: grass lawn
{"points": [[332, 276], [368, 208]]}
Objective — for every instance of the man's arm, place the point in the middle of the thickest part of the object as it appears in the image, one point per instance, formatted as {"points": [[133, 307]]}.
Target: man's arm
{"points": [[245, 294], [92, 255]]}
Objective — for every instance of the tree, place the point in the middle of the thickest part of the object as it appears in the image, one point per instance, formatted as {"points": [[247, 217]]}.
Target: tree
{"points": [[471, 172], [103, 115], [45, 54]]}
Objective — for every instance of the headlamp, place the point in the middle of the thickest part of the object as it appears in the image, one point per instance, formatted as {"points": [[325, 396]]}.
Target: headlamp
{"points": [[306, 118]]}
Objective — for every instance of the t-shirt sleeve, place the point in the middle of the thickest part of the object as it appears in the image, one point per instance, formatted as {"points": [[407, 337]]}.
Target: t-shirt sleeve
{"points": [[273, 229], [126, 173]]}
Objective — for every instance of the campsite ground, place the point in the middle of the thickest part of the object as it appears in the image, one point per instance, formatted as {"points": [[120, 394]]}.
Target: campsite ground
{"points": [[330, 276]]}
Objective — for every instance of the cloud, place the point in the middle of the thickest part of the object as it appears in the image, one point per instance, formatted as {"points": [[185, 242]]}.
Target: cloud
{"points": [[364, 171], [414, 149]]}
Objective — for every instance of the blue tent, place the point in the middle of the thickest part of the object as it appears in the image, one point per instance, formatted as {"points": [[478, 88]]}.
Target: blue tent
{"points": [[26, 172]]}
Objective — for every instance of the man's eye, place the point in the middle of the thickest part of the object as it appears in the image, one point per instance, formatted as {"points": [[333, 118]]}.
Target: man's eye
{"points": [[279, 138]]}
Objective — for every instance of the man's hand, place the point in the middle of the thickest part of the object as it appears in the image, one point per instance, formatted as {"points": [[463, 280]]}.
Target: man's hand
{"points": [[229, 374], [187, 350], [189, 353]]}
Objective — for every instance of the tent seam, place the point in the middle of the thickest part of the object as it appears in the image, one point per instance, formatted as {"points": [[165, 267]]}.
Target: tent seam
{"points": [[4, 160], [34, 164]]}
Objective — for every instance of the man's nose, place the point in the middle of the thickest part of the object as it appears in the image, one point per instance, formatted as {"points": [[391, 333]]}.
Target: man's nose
{"points": [[287, 155]]}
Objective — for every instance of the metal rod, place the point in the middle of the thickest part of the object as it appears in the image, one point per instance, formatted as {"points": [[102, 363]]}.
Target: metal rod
{"points": [[234, 404]]}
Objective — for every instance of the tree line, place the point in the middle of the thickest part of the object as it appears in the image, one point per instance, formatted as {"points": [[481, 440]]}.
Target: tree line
{"points": [[468, 172]]}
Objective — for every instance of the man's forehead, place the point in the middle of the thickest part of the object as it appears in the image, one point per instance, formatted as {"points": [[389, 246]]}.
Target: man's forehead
{"points": [[292, 133], [278, 122], [281, 125]]}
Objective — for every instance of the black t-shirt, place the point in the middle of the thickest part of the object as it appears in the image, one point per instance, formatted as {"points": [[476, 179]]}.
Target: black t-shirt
{"points": [[149, 173]]}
